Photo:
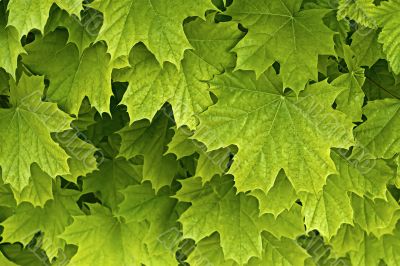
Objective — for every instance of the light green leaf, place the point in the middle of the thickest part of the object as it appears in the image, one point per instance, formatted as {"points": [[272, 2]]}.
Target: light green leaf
{"points": [[329, 209], [35, 13], [377, 216], [113, 175], [359, 10], [368, 177], [289, 224], [81, 32], [280, 252], [208, 251], [82, 159], [366, 47], [10, 48], [39, 190], [279, 31], [160, 211], [152, 84], [285, 131], [351, 100], [378, 136], [26, 136], [369, 251], [72, 77], [5, 262], [391, 245], [279, 198], [346, 240], [387, 17], [104, 239], [217, 208], [50, 220], [150, 140], [156, 23]]}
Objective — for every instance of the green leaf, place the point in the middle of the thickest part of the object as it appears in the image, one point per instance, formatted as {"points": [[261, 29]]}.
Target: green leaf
{"points": [[377, 216], [217, 208], [161, 212], [391, 245], [113, 176], [279, 198], [207, 251], [366, 47], [157, 24], [279, 31], [35, 13], [285, 131], [329, 209], [51, 220], [387, 17], [5, 262], [102, 232], [72, 76], [346, 240], [365, 178], [150, 140], [351, 100], [289, 223], [82, 32], [10, 48], [378, 136], [280, 252], [369, 251], [82, 160], [39, 190], [359, 10], [380, 83], [152, 84], [26, 136]]}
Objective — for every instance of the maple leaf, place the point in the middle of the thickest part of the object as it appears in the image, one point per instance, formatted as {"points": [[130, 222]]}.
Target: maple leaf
{"points": [[208, 250], [39, 190], [82, 160], [72, 76], [385, 212], [364, 178], [208, 164], [238, 222], [104, 239], [351, 100], [285, 131], [80, 32], [329, 209], [161, 212], [151, 85], [346, 240], [10, 48], [156, 23], [113, 176], [387, 17], [280, 197], [149, 140], [358, 10], [279, 31], [26, 139], [283, 251], [51, 220], [36, 13], [366, 47], [378, 136]]}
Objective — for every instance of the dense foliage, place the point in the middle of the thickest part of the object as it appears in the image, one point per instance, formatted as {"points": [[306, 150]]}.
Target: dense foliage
{"points": [[201, 132]]}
